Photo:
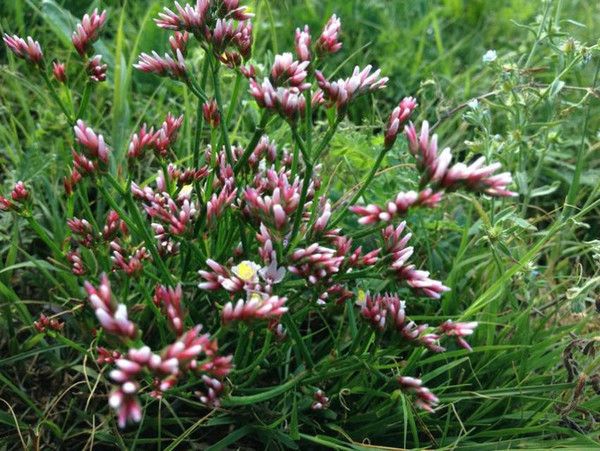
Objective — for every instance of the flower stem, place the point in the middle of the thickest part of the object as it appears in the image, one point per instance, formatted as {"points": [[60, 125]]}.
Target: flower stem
{"points": [[39, 230], [199, 115], [56, 97], [136, 223], [219, 99], [258, 132], [85, 99], [308, 172], [234, 98], [363, 187]]}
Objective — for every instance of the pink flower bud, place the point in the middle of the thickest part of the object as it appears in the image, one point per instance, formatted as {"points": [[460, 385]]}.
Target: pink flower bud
{"points": [[96, 70], [87, 31], [210, 111], [179, 42], [27, 49], [328, 41], [399, 116], [164, 67], [58, 70], [302, 43]]}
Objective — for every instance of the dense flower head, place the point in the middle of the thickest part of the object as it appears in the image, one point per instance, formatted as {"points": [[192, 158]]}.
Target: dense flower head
{"points": [[111, 315], [27, 49], [266, 148], [289, 102], [343, 91], [396, 247], [83, 230], [166, 135], [286, 71], [274, 207], [77, 264], [218, 203], [96, 70], [398, 206], [315, 263], [256, 306], [426, 400], [210, 110], [187, 18], [71, 180], [321, 401], [87, 30], [58, 70], [329, 42], [459, 331], [176, 214], [178, 42], [141, 140], [91, 141], [302, 43], [227, 34], [130, 262], [19, 192], [169, 299], [400, 115], [163, 66], [44, 323], [388, 310], [436, 169]]}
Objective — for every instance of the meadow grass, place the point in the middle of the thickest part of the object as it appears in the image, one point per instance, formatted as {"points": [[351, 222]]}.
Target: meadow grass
{"points": [[526, 269]]}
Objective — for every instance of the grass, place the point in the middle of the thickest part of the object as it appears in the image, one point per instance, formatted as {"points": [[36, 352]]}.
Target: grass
{"points": [[527, 270]]}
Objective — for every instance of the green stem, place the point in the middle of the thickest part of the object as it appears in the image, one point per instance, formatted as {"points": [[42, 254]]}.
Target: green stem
{"points": [[234, 98], [265, 349], [290, 324], [258, 132], [38, 229], [265, 395], [325, 141], [199, 115], [219, 99], [56, 97], [197, 90], [85, 100], [308, 172], [300, 143], [136, 223], [363, 187], [574, 188]]}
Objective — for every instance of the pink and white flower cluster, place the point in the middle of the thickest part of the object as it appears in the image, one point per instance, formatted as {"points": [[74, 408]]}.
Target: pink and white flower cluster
{"points": [[437, 175]]}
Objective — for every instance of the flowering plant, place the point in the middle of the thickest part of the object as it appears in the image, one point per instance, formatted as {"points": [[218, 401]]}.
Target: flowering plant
{"points": [[209, 270]]}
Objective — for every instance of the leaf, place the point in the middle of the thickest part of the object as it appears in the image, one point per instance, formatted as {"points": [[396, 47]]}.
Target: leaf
{"points": [[544, 190], [555, 88]]}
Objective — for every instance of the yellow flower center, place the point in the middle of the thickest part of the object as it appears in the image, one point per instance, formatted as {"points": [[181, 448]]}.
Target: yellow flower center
{"points": [[245, 271], [186, 190]]}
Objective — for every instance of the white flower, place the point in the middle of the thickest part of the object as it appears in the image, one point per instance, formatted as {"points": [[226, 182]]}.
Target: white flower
{"points": [[272, 274], [490, 56], [361, 298], [246, 270], [473, 104]]}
